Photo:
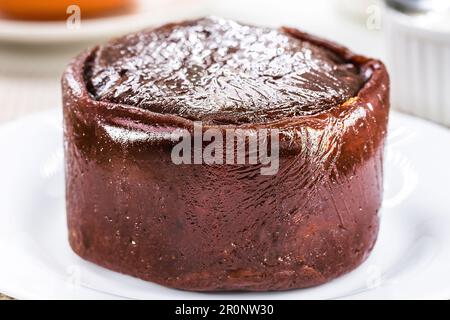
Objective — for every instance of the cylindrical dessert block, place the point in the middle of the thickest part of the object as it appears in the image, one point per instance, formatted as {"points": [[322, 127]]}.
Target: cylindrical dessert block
{"points": [[204, 227]]}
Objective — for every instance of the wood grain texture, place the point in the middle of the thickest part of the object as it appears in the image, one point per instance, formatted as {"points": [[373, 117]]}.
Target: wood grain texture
{"points": [[3, 297]]}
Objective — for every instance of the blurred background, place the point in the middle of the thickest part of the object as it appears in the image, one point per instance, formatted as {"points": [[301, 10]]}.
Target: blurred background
{"points": [[38, 38]]}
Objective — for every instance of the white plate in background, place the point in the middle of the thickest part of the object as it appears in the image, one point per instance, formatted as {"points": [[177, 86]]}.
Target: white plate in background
{"points": [[321, 17], [411, 258], [147, 13]]}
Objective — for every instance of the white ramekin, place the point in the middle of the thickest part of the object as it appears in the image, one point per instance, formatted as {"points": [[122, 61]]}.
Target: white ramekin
{"points": [[418, 58]]}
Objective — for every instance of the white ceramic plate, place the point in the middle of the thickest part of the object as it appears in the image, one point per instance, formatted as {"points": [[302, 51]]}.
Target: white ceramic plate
{"points": [[411, 258], [147, 13]]}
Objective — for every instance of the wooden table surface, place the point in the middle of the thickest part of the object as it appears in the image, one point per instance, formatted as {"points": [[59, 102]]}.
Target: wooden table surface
{"points": [[29, 80]]}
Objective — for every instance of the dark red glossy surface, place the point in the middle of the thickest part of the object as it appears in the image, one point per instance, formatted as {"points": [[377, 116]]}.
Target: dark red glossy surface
{"points": [[221, 72], [200, 227]]}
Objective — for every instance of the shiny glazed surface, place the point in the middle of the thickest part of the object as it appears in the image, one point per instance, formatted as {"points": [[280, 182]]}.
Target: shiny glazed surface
{"points": [[220, 71], [226, 227]]}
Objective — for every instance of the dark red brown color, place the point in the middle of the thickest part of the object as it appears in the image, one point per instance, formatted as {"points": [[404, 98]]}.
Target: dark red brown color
{"points": [[225, 227]]}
